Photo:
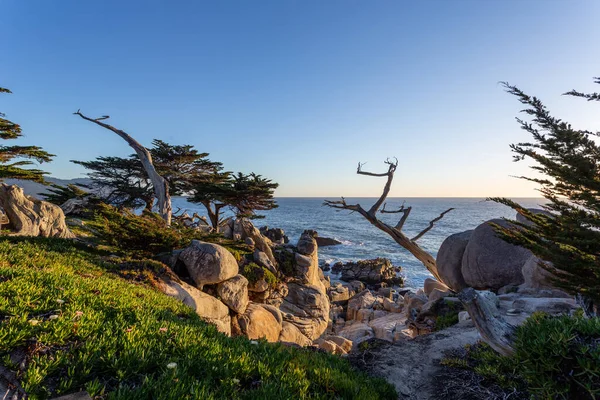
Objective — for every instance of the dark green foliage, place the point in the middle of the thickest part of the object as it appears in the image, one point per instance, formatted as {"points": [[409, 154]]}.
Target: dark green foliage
{"points": [[446, 312], [139, 235], [244, 194], [569, 161], [555, 358], [124, 181], [81, 327], [14, 158], [286, 260], [60, 194]]}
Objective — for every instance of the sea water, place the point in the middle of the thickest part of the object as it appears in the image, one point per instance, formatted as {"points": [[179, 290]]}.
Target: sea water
{"points": [[361, 240]]}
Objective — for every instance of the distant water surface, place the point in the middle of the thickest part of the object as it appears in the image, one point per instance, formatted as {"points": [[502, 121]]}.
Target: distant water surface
{"points": [[361, 240]]}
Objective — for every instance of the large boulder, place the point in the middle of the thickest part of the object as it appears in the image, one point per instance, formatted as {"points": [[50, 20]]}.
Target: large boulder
{"points": [[385, 327], [449, 260], [357, 333], [258, 322], [234, 293], [325, 241], [307, 307], [535, 276], [490, 262], [29, 216], [291, 334], [208, 263], [361, 301], [209, 308]]}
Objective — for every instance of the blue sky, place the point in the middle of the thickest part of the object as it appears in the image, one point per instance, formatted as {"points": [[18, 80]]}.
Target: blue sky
{"points": [[300, 91]]}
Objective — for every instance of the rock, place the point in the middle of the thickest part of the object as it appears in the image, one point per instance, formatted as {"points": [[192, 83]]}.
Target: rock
{"points": [[261, 259], [324, 241], [370, 271], [259, 286], [363, 300], [243, 228], [258, 322], [357, 333], [386, 292], [438, 294], [463, 316], [449, 260], [392, 306], [234, 293], [385, 327], [307, 244], [330, 347], [208, 263], [307, 261], [226, 228], [412, 304], [250, 242], [489, 262], [276, 235], [29, 216], [535, 276], [307, 307], [291, 334], [551, 306], [209, 308], [431, 284], [339, 294], [356, 286], [342, 342]]}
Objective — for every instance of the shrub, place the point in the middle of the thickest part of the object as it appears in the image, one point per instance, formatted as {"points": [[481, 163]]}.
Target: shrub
{"points": [[139, 235], [555, 358], [254, 272]]}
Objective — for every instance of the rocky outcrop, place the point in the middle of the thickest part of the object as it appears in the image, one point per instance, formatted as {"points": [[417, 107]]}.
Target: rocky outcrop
{"points": [[357, 333], [307, 307], [369, 271], [32, 217], [208, 263], [449, 260], [234, 293], [209, 308], [257, 323], [291, 334], [490, 262], [276, 235], [325, 241]]}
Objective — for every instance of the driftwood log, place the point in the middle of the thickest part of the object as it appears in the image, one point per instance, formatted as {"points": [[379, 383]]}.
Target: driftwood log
{"points": [[32, 217], [160, 184], [494, 330]]}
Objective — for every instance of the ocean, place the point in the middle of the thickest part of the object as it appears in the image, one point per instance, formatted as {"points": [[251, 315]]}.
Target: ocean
{"points": [[360, 240]]}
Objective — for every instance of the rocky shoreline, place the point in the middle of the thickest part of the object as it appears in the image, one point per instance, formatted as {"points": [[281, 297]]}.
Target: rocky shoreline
{"points": [[280, 293]]}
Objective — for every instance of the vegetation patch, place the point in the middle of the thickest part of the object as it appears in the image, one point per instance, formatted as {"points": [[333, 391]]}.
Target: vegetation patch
{"points": [[67, 324], [555, 357], [254, 272]]}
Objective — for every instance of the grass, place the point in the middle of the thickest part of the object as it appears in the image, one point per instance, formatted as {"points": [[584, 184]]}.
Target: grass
{"points": [[68, 324]]}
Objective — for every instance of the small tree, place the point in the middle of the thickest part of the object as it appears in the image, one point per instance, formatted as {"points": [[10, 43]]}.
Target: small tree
{"points": [[569, 160], [251, 193], [244, 194], [9, 168]]}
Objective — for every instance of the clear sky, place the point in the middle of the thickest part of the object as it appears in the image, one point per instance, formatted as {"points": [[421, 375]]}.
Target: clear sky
{"points": [[300, 91]]}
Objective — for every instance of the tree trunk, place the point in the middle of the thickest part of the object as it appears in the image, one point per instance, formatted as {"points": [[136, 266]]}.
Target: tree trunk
{"points": [[32, 217], [494, 330], [160, 184]]}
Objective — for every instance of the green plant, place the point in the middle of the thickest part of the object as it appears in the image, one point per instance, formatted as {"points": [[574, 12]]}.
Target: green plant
{"points": [[82, 327], [139, 235], [555, 358], [254, 272]]}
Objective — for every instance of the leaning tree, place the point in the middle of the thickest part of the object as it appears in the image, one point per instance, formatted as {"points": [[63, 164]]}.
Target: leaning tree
{"points": [[568, 235], [159, 184], [493, 328], [394, 231]]}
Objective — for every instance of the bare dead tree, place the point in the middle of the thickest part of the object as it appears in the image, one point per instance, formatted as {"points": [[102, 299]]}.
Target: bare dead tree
{"points": [[160, 185], [493, 328], [395, 231]]}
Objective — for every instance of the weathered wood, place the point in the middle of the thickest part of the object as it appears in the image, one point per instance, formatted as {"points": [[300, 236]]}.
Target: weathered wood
{"points": [[160, 185], [494, 330], [395, 232], [32, 217]]}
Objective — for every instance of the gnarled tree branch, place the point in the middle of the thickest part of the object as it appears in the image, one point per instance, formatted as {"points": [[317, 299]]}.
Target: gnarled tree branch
{"points": [[431, 223], [160, 185], [395, 232]]}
